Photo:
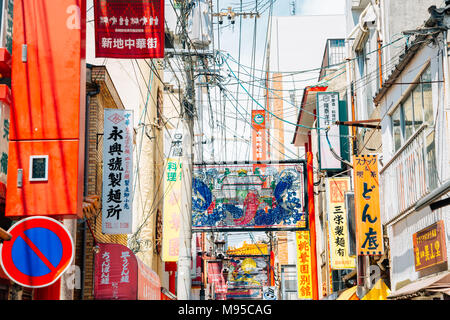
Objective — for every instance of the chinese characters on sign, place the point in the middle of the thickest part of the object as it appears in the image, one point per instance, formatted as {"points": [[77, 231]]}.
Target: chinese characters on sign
{"points": [[117, 172], [259, 135], [172, 198], [4, 146], [369, 237], [337, 223], [327, 114], [304, 271], [129, 30], [115, 272], [429, 246]]}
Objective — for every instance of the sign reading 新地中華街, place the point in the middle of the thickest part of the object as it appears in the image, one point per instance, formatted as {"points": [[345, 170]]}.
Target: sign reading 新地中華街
{"points": [[129, 30], [429, 246], [117, 172], [327, 114]]}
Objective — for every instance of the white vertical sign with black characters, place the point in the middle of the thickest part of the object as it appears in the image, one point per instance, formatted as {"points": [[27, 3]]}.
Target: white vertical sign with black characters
{"points": [[117, 172], [327, 115]]}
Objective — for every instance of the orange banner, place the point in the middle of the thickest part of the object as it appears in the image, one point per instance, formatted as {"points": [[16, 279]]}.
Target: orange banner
{"points": [[369, 235], [304, 270], [259, 136]]}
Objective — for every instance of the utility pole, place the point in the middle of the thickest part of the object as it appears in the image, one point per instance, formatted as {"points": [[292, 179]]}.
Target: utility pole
{"points": [[188, 105]]}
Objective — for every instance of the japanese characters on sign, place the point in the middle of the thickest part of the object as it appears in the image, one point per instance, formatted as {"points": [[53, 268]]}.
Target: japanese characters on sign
{"points": [[125, 30], [259, 135], [120, 275], [337, 223], [172, 198], [117, 171], [304, 270], [4, 146], [369, 237], [429, 246], [115, 273], [327, 114], [7, 24]]}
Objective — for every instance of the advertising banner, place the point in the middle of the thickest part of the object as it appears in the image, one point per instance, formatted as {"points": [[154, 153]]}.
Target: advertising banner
{"points": [[173, 150], [171, 211], [249, 197], [115, 273], [149, 284], [120, 275], [129, 29], [215, 276], [327, 114], [369, 234], [429, 246], [337, 223], [248, 272], [304, 270], [4, 146], [259, 135], [117, 171]]}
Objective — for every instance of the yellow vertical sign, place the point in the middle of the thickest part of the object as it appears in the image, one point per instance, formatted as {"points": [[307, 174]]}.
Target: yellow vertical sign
{"points": [[337, 223], [304, 271], [171, 212], [369, 236]]}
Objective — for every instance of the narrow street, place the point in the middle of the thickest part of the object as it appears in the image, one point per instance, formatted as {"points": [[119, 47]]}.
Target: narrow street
{"points": [[246, 152]]}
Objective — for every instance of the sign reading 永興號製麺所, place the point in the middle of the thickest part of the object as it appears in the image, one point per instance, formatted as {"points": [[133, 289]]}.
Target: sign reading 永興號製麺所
{"points": [[127, 30], [117, 172]]}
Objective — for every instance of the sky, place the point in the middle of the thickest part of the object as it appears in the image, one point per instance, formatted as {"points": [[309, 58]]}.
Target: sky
{"points": [[226, 38]]}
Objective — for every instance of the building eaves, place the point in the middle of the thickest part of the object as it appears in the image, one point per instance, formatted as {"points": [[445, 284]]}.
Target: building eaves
{"points": [[434, 23], [404, 60]]}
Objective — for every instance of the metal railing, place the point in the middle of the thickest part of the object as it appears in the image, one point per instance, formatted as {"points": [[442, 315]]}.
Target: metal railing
{"points": [[403, 179]]}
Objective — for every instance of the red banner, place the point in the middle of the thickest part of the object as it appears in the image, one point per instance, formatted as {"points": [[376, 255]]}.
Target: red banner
{"points": [[115, 273], [120, 275], [215, 276], [129, 29]]}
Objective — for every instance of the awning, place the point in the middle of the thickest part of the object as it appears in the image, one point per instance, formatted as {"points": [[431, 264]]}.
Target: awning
{"points": [[380, 291], [433, 284], [349, 294]]}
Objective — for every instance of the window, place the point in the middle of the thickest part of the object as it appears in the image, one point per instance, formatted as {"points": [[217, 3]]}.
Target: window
{"points": [[397, 129], [415, 110]]}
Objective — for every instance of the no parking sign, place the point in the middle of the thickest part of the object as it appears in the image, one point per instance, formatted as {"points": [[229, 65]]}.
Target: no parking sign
{"points": [[40, 251]]}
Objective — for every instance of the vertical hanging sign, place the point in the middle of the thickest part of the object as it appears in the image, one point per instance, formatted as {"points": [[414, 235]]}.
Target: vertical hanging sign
{"points": [[117, 171], [172, 199], [337, 223], [259, 135], [369, 237], [129, 29], [304, 270], [327, 114]]}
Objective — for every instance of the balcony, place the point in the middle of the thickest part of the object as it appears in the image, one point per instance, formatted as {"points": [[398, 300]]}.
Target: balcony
{"points": [[408, 176]]}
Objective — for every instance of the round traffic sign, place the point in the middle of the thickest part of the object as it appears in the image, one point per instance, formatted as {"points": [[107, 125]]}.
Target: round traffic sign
{"points": [[40, 251]]}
